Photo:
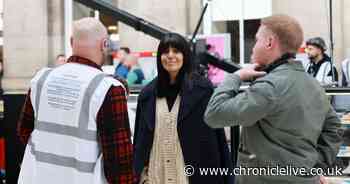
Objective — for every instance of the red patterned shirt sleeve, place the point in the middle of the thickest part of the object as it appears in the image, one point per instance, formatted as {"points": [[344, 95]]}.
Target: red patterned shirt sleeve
{"points": [[115, 137], [25, 125]]}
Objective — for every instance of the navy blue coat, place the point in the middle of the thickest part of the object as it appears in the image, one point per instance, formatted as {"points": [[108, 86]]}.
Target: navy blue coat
{"points": [[202, 146]]}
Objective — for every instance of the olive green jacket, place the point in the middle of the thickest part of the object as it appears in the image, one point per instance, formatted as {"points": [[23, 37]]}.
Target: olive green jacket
{"points": [[286, 120]]}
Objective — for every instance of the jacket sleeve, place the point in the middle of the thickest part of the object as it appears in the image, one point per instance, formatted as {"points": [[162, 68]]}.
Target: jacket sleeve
{"points": [[25, 125], [344, 82], [138, 129], [330, 140], [328, 79], [115, 137], [227, 107], [137, 123]]}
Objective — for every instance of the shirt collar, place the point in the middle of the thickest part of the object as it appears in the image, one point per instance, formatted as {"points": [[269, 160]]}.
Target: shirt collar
{"points": [[84, 61]]}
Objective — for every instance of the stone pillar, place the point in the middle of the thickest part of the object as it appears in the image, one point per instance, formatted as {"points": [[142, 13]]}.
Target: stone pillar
{"points": [[25, 42], [338, 32], [346, 30], [33, 35], [55, 30]]}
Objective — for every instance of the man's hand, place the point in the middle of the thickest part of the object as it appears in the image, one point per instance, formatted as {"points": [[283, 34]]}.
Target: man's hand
{"points": [[250, 72]]}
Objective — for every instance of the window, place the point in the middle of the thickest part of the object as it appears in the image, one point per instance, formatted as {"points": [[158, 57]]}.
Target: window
{"points": [[250, 29]]}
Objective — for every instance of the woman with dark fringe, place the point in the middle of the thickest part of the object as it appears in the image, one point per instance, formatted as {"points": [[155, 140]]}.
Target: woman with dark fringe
{"points": [[171, 140]]}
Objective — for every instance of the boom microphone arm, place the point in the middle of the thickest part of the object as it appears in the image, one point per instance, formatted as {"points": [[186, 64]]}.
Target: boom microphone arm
{"points": [[137, 23], [153, 30]]}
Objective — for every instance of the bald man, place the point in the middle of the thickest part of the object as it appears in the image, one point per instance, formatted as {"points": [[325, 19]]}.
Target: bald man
{"points": [[74, 121]]}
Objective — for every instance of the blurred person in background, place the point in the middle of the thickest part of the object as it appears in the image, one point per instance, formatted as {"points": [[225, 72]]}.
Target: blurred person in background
{"points": [[320, 63], [121, 69], [60, 60], [123, 52], [135, 74]]}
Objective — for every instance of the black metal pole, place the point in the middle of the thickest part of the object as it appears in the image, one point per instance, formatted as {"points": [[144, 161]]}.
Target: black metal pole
{"points": [[331, 50], [133, 21], [199, 23]]}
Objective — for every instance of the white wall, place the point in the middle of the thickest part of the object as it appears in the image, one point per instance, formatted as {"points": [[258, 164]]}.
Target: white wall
{"points": [[231, 9], [313, 16]]}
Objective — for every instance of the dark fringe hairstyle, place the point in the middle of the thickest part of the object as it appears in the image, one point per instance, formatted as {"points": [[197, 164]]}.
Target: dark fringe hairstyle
{"points": [[173, 40]]}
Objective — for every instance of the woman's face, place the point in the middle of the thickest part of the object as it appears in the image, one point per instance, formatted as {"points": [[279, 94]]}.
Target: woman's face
{"points": [[172, 61]]}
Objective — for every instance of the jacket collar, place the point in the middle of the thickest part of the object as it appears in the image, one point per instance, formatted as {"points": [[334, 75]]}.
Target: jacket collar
{"points": [[292, 64], [193, 91], [84, 61]]}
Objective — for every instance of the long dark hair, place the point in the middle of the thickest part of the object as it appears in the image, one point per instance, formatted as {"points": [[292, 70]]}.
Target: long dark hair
{"points": [[173, 40]]}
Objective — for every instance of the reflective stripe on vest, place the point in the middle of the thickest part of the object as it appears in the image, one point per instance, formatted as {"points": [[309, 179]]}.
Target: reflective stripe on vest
{"points": [[61, 160], [40, 86], [80, 132]]}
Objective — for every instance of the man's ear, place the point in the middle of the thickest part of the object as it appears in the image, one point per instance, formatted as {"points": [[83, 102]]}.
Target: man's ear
{"points": [[104, 45], [271, 41]]}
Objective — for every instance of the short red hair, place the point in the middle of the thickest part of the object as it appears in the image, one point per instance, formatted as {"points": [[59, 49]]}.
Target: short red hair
{"points": [[287, 30]]}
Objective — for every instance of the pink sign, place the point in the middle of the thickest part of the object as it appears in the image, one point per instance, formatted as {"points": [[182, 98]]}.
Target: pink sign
{"points": [[218, 42]]}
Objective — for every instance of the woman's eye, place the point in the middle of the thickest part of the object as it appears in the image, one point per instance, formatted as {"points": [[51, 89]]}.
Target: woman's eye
{"points": [[175, 51]]}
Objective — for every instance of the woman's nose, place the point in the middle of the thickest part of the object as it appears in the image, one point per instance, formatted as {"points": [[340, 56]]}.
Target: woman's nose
{"points": [[170, 54]]}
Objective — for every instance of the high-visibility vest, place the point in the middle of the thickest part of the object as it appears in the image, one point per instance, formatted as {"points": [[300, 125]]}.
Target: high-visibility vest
{"points": [[63, 146]]}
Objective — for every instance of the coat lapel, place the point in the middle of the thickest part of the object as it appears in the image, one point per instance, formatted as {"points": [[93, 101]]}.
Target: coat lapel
{"points": [[150, 112], [148, 101], [191, 96]]}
